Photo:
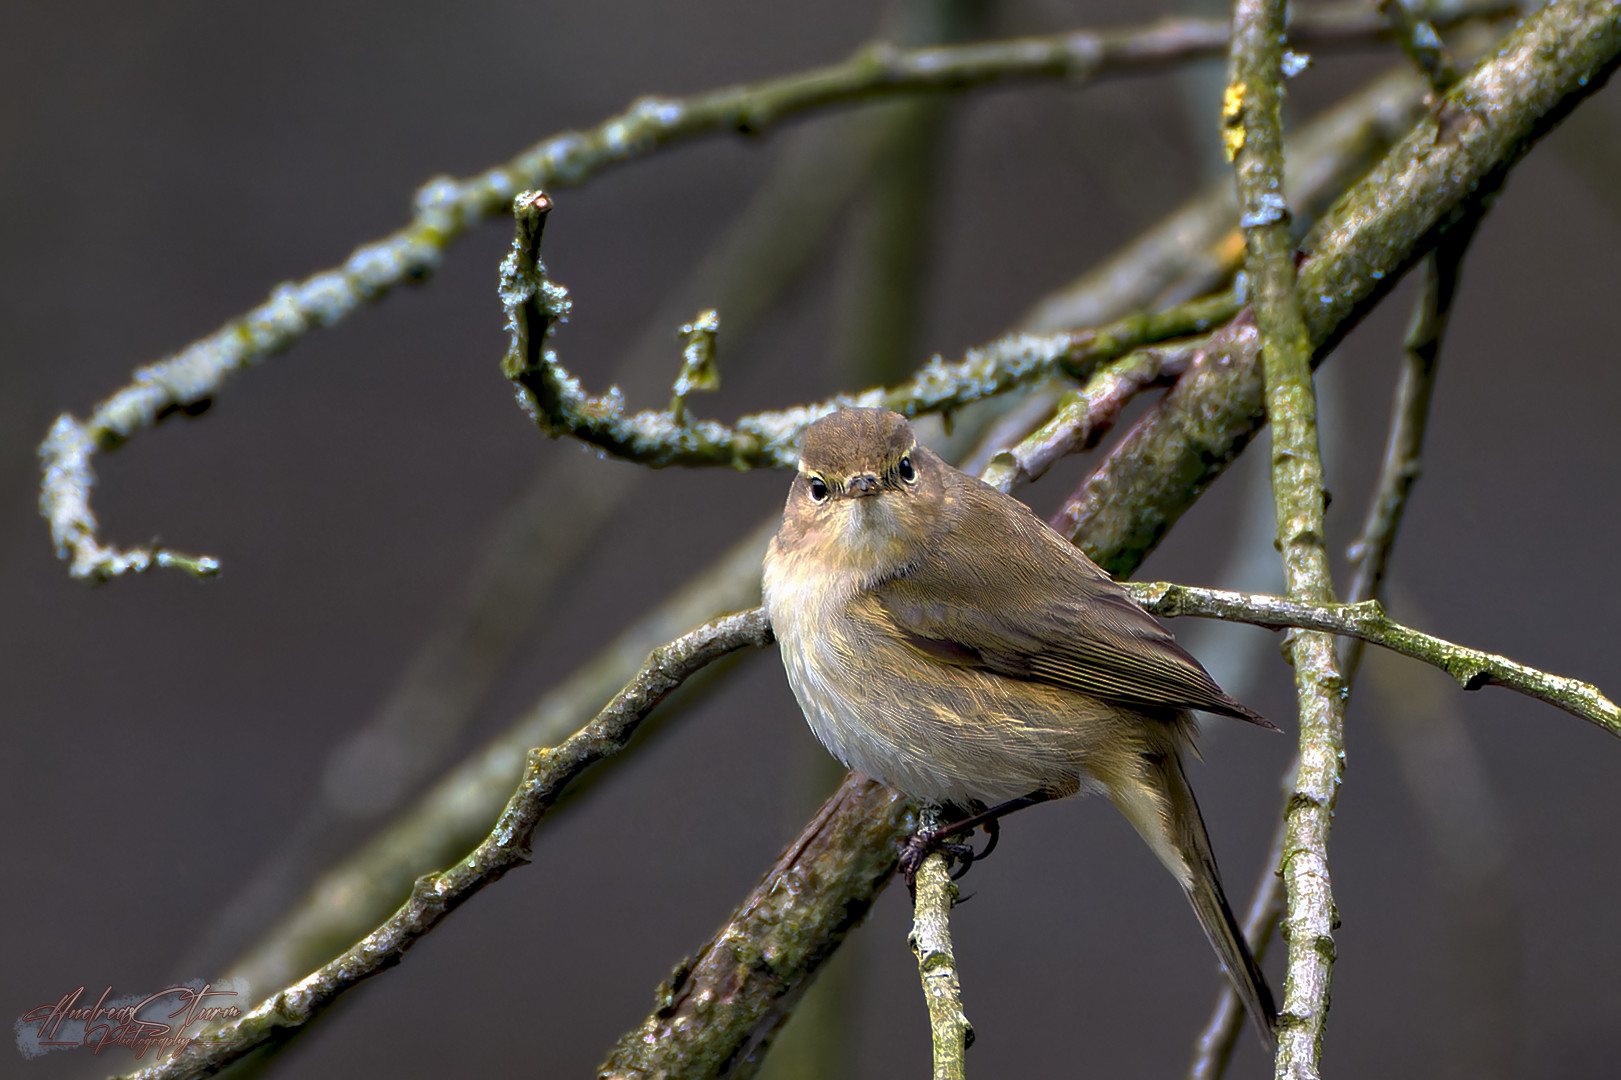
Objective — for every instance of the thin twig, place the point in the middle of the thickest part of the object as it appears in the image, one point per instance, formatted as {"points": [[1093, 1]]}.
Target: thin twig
{"points": [[1410, 410], [1370, 554], [1471, 668], [1252, 114], [560, 406], [1086, 415], [547, 773], [445, 209], [950, 1031]]}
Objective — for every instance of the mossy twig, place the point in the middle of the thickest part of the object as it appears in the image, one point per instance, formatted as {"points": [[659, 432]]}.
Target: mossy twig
{"points": [[1252, 113], [559, 404], [934, 895], [1471, 668]]}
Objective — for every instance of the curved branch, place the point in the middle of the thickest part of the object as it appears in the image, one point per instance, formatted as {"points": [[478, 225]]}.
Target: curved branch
{"points": [[559, 405]]}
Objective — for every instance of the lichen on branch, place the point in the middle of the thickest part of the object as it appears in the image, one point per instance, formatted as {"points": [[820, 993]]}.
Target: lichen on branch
{"points": [[559, 404]]}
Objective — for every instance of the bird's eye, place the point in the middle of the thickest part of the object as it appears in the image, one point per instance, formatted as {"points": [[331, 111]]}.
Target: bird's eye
{"points": [[818, 489], [908, 473]]}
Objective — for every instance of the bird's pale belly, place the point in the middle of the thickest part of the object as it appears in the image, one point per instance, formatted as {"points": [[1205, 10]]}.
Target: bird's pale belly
{"points": [[882, 707]]}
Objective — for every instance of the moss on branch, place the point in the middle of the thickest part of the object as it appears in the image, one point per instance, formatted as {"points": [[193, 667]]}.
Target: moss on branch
{"points": [[934, 894]]}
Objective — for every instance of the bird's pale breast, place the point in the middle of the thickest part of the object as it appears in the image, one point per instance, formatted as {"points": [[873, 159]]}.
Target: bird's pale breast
{"points": [[934, 731]]}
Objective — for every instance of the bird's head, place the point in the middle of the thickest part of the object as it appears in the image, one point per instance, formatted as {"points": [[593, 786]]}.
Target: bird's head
{"points": [[866, 494]]}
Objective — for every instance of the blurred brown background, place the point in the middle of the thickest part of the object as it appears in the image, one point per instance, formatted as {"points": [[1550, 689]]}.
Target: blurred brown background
{"points": [[163, 166]]}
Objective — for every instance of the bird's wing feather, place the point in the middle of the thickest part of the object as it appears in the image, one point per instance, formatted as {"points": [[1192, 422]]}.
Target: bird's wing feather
{"points": [[1040, 610]]}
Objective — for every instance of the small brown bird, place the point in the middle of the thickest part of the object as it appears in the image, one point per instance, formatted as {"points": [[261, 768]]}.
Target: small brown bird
{"points": [[945, 641]]}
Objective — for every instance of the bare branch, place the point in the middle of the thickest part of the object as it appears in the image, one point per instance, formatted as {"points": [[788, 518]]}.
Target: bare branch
{"points": [[1454, 156], [1471, 668], [1370, 553], [1409, 416], [1085, 415]]}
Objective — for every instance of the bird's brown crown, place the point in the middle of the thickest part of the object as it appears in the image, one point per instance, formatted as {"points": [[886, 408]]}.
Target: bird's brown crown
{"points": [[854, 441]]}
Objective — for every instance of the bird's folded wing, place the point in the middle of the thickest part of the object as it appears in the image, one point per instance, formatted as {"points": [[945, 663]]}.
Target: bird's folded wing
{"points": [[1046, 616]]}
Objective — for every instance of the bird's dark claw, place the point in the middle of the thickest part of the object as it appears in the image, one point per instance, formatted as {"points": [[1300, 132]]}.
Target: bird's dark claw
{"points": [[918, 846]]}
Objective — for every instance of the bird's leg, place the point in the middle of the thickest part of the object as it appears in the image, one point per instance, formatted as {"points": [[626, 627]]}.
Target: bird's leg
{"points": [[918, 846]]}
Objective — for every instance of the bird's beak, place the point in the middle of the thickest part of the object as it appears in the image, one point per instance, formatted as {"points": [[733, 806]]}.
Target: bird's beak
{"points": [[863, 484]]}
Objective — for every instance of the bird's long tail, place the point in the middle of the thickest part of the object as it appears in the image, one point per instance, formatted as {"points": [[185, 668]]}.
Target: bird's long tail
{"points": [[1162, 808]]}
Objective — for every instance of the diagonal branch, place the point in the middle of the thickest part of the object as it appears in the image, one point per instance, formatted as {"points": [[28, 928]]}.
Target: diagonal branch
{"points": [[547, 773], [759, 963]]}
